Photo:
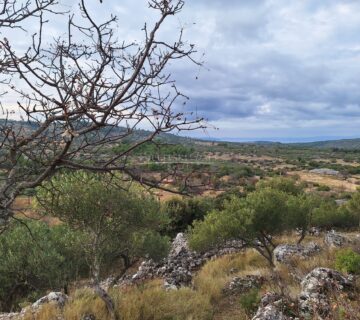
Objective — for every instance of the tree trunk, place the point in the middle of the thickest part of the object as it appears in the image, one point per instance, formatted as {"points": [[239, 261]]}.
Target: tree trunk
{"points": [[107, 299], [267, 255], [302, 236], [100, 291]]}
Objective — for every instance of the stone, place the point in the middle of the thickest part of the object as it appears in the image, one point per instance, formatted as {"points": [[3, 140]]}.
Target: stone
{"points": [[240, 285], [271, 308], [179, 245], [58, 298], [169, 287], [316, 288], [340, 202], [314, 231], [177, 269], [284, 252], [10, 316], [325, 171], [334, 239]]}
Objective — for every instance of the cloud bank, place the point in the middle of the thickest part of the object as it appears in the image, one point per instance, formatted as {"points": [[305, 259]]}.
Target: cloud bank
{"points": [[273, 68]]}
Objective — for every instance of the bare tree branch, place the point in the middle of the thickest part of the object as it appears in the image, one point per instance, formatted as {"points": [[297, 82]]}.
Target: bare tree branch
{"points": [[79, 98]]}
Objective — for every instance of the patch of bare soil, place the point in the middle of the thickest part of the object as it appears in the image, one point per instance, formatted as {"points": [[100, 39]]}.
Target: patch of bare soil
{"points": [[331, 181]]}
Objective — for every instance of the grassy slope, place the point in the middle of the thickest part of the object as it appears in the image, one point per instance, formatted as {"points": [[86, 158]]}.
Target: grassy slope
{"points": [[206, 299]]}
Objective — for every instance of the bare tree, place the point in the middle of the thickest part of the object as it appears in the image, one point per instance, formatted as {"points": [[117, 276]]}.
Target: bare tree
{"points": [[83, 93]]}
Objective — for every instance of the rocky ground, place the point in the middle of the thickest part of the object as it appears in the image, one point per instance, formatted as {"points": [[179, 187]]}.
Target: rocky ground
{"points": [[313, 302]]}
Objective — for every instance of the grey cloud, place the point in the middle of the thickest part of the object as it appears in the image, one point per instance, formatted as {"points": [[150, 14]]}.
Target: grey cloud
{"points": [[271, 65]]}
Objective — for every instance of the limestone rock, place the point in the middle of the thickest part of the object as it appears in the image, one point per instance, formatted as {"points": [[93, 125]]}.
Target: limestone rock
{"points": [[10, 316], [58, 298], [240, 285], [284, 252], [179, 245], [177, 269], [325, 171], [334, 239], [314, 231], [271, 308], [316, 287]]}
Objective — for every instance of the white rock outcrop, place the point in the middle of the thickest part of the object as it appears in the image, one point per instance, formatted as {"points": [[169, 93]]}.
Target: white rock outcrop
{"points": [[316, 289]]}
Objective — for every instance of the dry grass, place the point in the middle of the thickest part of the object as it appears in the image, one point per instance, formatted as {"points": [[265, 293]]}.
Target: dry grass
{"points": [[332, 182], [47, 312], [206, 300], [24, 208], [216, 273], [85, 302], [152, 302]]}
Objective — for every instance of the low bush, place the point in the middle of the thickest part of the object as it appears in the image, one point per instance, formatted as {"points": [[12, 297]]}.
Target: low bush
{"points": [[348, 261], [323, 188], [329, 215], [183, 212], [250, 301], [36, 257]]}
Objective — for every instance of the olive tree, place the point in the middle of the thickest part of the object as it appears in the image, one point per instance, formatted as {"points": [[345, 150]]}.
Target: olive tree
{"points": [[120, 221], [255, 220], [33, 262]]}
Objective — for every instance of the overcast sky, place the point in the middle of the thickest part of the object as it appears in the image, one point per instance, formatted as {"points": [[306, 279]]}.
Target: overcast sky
{"points": [[274, 69], [278, 68]]}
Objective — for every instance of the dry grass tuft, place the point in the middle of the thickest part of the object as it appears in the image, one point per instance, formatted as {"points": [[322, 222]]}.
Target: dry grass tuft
{"points": [[85, 302], [213, 277], [152, 302], [46, 312]]}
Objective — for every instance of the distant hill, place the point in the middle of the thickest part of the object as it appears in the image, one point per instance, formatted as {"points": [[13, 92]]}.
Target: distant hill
{"points": [[346, 144], [136, 135], [139, 134]]}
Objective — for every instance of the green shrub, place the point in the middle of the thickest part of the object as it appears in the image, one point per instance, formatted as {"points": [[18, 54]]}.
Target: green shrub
{"points": [[328, 215], [287, 185], [260, 214], [250, 301], [35, 258], [323, 188], [119, 220], [183, 212], [348, 261]]}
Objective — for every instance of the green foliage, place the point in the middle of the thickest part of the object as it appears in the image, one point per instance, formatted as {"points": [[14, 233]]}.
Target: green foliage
{"points": [[353, 205], [287, 185], [35, 258], [235, 171], [250, 301], [300, 211], [269, 209], [153, 166], [182, 212], [323, 188], [260, 214], [226, 196], [118, 218], [276, 206], [329, 215], [155, 148], [348, 261]]}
